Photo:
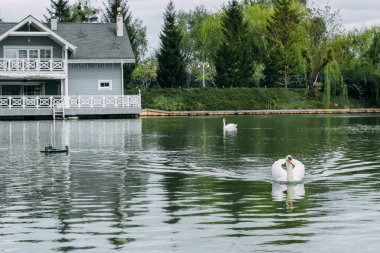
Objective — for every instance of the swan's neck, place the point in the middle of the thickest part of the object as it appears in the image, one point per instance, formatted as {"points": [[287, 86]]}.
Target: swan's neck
{"points": [[289, 170]]}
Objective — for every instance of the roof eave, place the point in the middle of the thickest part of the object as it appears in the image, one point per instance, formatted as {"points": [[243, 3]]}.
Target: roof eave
{"points": [[47, 32]]}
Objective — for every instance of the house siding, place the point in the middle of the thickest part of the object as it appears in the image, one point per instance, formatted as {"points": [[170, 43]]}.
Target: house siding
{"points": [[83, 79], [34, 41]]}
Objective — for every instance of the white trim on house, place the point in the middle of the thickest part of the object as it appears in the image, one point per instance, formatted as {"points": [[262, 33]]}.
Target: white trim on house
{"points": [[27, 47], [29, 34], [109, 87], [32, 75], [122, 79], [84, 61], [46, 32]]}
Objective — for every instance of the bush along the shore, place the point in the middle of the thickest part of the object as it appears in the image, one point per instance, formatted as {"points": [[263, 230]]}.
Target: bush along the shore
{"points": [[212, 99]]}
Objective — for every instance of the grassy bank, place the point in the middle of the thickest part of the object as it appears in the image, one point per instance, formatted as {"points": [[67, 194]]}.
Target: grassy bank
{"points": [[231, 99]]}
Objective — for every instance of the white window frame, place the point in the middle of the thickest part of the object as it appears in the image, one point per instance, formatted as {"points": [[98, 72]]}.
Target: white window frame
{"points": [[104, 88], [29, 48]]}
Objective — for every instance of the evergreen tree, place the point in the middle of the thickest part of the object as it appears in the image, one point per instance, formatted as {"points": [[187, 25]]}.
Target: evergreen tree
{"points": [[233, 60], [135, 28], [171, 65], [282, 61], [60, 9]]}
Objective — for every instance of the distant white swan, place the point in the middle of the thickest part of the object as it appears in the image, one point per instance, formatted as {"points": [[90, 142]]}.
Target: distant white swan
{"points": [[229, 127], [290, 174]]}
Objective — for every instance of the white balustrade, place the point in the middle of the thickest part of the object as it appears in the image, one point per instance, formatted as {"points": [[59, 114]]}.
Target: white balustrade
{"points": [[128, 101], [31, 65]]}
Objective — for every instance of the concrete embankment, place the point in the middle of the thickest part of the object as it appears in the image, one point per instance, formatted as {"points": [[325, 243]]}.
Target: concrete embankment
{"points": [[153, 112]]}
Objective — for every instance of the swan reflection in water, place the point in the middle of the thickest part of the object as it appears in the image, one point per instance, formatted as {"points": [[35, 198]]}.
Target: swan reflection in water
{"points": [[288, 192]]}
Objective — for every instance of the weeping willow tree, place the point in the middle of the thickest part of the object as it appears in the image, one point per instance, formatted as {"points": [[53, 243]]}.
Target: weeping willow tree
{"points": [[372, 72], [335, 90], [369, 75], [363, 66]]}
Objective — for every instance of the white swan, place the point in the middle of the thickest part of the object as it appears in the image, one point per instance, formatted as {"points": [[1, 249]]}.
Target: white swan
{"points": [[229, 127], [290, 174]]}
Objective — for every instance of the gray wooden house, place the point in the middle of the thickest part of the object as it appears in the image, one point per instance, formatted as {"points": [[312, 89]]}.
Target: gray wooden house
{"points": [[66, 69]]}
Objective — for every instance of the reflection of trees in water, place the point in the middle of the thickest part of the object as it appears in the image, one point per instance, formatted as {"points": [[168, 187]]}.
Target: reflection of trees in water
{"points": [[79, 188], [234, 201], [175, 188]]}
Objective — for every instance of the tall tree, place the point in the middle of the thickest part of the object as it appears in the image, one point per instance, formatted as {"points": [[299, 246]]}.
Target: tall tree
{"points": [[135, 28], [233, 61], [372, 75], [190, 24], [282, 58], [322, 27], [374, 50], [81, 11], [171, 70], [60, 9], [268, 2]]}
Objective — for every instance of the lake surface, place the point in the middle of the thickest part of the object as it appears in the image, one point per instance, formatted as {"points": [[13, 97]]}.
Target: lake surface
{"points": [[182, 185]]}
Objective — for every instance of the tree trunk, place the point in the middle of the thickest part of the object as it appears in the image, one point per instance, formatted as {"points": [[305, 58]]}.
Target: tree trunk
{"points": [[312, 82], [286, 77], [313, 74]]}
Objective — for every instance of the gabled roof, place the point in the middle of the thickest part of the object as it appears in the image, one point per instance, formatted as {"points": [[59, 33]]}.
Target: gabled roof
{"points": [[96, 41], [43, 31], [89, 42]]}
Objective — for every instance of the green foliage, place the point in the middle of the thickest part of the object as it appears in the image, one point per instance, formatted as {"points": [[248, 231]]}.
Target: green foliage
{"points": [[190, 24], [145, 72], [169, 103], [110, 10], [171, 65], [233, 62], [59, 9], [322, 27], [258, 73], [334, 86], [282, 38], [81, 11], [135, 28], [360, 66], [374, 50], [226, 99]]}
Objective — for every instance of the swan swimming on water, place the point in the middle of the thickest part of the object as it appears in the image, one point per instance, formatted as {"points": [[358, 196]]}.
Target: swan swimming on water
{"points": [[229, 127], [291, 174]]}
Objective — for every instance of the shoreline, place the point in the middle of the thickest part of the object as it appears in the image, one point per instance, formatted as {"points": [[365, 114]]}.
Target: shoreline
{"points": [[163, 113]]}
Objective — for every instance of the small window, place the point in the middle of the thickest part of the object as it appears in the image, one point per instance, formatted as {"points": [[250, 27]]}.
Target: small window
{"points": [[104, 85], [45, 54]]}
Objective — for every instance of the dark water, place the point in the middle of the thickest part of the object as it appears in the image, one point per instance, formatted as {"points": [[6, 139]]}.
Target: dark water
{"points": [[182, 185]]}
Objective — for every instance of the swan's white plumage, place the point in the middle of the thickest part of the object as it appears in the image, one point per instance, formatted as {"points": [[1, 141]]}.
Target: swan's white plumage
{"points": [[229, 127], [279, 174]]}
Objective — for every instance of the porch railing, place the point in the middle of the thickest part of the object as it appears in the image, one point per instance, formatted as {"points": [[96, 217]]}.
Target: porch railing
{"points": [[31, 65], [128, 101]]}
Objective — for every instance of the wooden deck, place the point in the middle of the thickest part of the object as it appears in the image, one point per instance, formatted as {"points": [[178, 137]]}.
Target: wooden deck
{"points": [[152, 112], [47, 113], [82, 107]]}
